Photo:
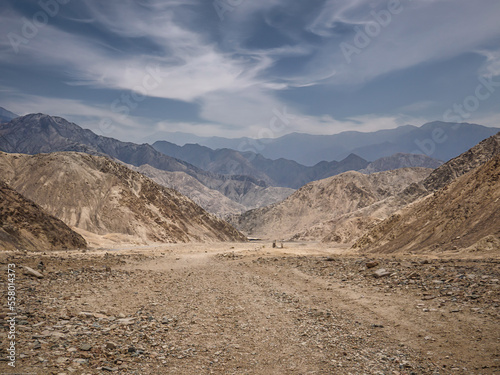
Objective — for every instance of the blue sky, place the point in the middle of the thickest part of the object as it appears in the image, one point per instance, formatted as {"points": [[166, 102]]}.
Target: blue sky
{"points": [[257, 68]]}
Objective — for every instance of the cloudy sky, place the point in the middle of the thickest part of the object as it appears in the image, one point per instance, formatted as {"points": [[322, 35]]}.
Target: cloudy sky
{"points": [[258, 68]]}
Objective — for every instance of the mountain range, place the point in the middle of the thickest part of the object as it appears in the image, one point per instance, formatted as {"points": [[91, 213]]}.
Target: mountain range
{"points": [[439, 140], [248, 180], [280, 172], [39, 133], [60, 178]]}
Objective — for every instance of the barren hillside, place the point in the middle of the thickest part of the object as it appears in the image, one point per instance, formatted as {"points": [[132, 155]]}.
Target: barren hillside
{"points": [[456, 167], [309, 212], [25, 225], [101, 196], [464, 214]]}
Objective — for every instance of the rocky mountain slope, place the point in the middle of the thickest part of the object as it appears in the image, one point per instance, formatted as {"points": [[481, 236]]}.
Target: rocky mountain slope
{"points": [[313, 210], [280, 172], [37, 133], [100, 196], [401, 160], [469, 160], [25, 225], [465, 213]]}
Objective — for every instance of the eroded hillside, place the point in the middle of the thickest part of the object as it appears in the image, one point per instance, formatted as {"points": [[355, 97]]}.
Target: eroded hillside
{"points": [[100, 196], [26, 226]]}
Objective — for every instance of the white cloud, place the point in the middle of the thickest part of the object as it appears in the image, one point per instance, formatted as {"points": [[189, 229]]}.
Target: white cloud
{"points": [[423, 31], [491, 67], [235, 91]]}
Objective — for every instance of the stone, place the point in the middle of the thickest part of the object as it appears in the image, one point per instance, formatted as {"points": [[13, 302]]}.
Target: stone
{"points": [[382, 272], [126, 321], [109, 369], [99, 316], [31, 272], [371, 264], [85, 347], [111, 346], [85, 314]]}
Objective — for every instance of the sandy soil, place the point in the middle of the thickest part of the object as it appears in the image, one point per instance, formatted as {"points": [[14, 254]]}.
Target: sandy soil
{"points": [[250, 309]]}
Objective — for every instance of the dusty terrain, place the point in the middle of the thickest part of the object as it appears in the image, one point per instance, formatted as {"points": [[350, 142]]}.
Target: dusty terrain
{"points": [[250, 309]]}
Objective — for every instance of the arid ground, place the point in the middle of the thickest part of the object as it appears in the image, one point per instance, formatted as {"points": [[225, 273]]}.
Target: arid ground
{"points": [[247, 308]]}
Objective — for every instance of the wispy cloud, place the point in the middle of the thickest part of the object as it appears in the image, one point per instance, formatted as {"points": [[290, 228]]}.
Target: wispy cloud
{"points": [[234, 75]]}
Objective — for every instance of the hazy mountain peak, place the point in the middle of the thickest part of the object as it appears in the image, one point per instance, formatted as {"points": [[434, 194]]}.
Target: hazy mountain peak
{"points": [[6, 115]]}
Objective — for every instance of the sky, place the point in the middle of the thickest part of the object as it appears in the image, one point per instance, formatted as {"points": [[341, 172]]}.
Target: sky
{"points": [[134, 70]]}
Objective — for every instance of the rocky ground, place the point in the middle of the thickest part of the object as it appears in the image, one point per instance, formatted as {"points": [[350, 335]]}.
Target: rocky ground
{"points": [[250, 309]]}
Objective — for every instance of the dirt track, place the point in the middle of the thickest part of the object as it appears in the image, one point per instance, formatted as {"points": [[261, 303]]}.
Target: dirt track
{"points": [[244, 309]]}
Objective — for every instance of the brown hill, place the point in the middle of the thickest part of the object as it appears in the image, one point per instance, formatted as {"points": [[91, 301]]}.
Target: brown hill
{"points": [[98, 195], [24, 225], [312, 211], [465, 213]]}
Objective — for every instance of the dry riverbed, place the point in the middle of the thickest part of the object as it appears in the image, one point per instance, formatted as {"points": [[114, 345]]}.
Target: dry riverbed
{"points": [[251, 309]]}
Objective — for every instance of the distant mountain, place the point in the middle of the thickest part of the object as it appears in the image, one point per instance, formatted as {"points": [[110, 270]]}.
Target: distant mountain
{"points": [[26, 226], [212, 200], [281, 172], [401, 160], [105, 198], [465, 214], [439, 140], [39, 133], [6, 116], [311, 212]]}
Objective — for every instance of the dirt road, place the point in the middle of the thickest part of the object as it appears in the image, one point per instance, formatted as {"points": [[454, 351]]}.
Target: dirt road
{"points": [[249, 309]]}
